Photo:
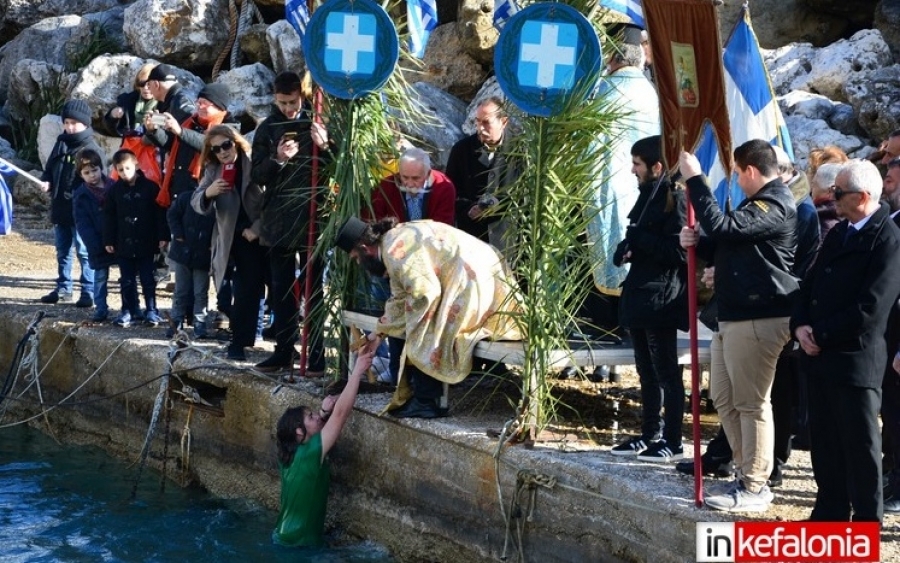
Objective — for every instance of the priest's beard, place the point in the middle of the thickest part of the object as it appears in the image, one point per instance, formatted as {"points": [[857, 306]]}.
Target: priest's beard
{"points": [[374, 266]]}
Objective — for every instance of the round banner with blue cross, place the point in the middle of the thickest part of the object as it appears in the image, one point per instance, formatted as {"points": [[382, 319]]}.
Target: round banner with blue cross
{"points": [[544, 53], [351, 47]]}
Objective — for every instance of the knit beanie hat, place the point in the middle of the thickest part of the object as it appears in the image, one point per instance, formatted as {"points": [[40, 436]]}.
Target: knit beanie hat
{"points": [[217, 94], [78, 110]]}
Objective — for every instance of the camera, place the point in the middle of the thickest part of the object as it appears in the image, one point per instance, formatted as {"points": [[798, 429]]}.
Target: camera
{"points": [[158, 120]]}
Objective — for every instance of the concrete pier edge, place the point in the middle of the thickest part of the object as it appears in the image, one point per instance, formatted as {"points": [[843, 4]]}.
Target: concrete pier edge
{"points": [[424, 489]]}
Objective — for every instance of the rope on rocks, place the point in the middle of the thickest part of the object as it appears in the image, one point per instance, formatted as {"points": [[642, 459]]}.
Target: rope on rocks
{"points": [[232, 36]]}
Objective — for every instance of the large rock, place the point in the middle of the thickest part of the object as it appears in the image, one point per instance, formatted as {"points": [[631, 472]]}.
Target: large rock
{"points": [[24, 13], [779, 22], [887, 21], [843, 61], [440, 131], [448, 67], [187, 33], [251, 92], [788, 64], [875, 95], [284, 48], [808, 134], [35, 88], [48, 40], [255, 45], [475, 27]]}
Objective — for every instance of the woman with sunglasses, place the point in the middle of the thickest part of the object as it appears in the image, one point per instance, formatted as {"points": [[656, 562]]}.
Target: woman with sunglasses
{"points": [[304, 439], [226, 190]]}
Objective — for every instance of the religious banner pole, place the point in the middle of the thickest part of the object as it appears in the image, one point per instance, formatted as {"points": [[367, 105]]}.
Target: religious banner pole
{"points": [[310, 236], [690, 79]]}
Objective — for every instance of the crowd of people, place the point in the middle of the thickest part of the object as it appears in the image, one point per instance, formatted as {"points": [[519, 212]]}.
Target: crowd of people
{"points": [[805, 273]]}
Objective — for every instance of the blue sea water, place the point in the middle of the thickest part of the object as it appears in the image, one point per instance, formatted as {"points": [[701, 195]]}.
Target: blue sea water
{"points": [[73, 504]]}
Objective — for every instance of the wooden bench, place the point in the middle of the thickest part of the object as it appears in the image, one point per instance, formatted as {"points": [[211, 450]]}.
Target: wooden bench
{"points": [[581, 354]]}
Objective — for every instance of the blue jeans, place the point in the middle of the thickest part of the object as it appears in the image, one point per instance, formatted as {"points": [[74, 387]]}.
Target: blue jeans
{"points": [[190, 283], [101, 289], [131, 268], [65, 238]]}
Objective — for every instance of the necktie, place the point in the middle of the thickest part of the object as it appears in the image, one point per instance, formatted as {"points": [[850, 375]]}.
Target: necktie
{"points": [[414, 207], [851, 230]]}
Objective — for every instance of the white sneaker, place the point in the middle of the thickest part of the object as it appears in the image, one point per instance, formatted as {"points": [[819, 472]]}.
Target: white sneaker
{"points": [[742, 500]]}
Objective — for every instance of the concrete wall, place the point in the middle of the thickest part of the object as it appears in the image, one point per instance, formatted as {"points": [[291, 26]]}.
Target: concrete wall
{"points": [[426, 490]]}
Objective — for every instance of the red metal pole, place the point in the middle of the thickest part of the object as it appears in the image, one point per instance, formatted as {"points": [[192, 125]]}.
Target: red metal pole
{"points": [[695, 362], [310, 245]]}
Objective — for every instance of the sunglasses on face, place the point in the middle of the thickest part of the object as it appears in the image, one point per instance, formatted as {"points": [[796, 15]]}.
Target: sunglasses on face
{"points": [[840, 192], [226, 146]]}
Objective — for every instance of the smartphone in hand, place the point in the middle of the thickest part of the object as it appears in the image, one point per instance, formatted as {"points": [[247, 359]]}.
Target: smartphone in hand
{"points": [[228, 174]]}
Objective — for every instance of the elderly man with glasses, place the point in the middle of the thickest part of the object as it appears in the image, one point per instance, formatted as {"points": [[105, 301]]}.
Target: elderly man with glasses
{"points": [[840, 321]]}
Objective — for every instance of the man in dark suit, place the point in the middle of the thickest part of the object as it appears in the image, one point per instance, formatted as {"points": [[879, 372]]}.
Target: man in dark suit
{"points": [[840, 321]]}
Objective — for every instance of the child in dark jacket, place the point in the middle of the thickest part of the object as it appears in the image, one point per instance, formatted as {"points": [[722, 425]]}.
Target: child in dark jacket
{"points": [[59, 179], [190, 254], [134, 229], [87, 204]]}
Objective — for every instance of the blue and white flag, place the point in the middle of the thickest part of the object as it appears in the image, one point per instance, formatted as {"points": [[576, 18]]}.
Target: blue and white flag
{"points": [[503, 10], [752, 109], [6, 202], [422, 18], [631, 8], [297, 13]]}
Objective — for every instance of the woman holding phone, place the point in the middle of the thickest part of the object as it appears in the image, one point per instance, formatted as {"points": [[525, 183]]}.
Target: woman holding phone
{"points": [[226, 190]]}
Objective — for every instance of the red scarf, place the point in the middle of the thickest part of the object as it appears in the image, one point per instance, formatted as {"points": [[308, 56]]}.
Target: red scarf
{"points": [[164, 199]]}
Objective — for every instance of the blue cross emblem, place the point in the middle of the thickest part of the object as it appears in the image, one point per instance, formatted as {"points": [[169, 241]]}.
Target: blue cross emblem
{"points": [[547, 54], [350, 43], [351, 47]]}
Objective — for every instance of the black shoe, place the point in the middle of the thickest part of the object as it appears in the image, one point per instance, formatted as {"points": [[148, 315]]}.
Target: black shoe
{"points": [[276, 362], [599, 375], [712, 466], [419, 408], [56, 297], [235, 353], [776, 478], [268, 333], [85, 301]]}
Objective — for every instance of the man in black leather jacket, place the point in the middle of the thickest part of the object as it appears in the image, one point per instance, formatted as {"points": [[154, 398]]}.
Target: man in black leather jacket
{"points": [[753, 249]]}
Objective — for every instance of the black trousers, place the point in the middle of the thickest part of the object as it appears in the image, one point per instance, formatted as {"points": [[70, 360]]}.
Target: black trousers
{"points": [[890, 416], [286, 304], [248, 282], [424, 386], [845, 448], [656, 360]]}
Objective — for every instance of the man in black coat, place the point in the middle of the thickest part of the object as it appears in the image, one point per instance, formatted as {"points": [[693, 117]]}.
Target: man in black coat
{"points": [[283, 157], [840, 321], [653, 305]]}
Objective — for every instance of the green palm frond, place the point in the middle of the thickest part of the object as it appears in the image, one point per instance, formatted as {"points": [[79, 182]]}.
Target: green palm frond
{"points": [[548, 209]]}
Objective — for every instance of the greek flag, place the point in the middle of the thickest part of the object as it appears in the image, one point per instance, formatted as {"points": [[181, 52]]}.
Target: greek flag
{"points": [[297, 13], [631, 8], [6, 202], [752, 109], [503, 10], [422, 17]]}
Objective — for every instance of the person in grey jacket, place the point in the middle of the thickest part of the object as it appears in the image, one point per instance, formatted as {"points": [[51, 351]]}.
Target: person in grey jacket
{"points": [[227, 192]]}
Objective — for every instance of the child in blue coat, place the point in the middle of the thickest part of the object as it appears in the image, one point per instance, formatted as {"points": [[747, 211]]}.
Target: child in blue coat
{"points": [[87, 207]]}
